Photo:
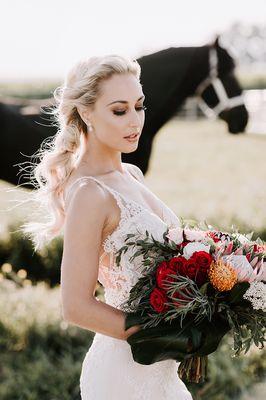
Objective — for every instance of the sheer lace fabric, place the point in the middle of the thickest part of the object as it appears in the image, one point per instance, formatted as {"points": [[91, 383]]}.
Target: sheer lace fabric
{"points": [[109, 371]]}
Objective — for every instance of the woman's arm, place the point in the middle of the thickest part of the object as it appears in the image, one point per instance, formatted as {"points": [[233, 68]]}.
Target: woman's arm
{"points": [[86, 217]]}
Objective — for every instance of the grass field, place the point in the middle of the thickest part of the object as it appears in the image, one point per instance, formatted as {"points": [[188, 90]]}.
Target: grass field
{"points": [[200, 171]]}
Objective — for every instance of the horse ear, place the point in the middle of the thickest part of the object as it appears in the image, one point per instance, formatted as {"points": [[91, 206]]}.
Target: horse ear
{"points": [[216, 43]]}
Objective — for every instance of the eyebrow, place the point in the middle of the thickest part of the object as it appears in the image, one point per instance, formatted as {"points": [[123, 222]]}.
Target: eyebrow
{"points": [[124, 101]]}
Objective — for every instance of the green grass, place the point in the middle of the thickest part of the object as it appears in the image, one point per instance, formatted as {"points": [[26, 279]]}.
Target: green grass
{"points": [[40, 353], [201, 171]]}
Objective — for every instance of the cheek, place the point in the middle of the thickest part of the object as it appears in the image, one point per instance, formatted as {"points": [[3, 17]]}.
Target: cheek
{"points": [[113, 121], [111, 129]]}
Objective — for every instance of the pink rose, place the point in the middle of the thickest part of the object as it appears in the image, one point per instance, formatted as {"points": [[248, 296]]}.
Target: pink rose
{"points": [[194, 235], [176, 235]]}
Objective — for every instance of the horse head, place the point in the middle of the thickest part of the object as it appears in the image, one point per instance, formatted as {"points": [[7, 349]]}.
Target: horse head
{"points": [[220, 94]]}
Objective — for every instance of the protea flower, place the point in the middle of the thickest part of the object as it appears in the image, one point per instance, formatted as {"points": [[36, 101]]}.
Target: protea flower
{"points": [[222, 276]]}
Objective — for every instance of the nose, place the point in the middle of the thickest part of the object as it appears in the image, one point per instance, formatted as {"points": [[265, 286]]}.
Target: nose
{"points": [[135, 121], [135, 128]]}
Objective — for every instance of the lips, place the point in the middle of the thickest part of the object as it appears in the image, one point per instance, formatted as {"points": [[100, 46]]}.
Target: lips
{"points": [[132, 136]]}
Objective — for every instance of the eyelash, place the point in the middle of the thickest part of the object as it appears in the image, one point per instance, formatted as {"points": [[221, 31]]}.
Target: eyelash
{"points": [[123, 112]]}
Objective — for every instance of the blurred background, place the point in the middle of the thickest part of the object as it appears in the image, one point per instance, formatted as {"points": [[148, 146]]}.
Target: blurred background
{"points": [[197, 167]]}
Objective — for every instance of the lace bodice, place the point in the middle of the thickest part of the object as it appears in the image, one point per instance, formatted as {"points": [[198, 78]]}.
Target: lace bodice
{"points": [[134, 218]]}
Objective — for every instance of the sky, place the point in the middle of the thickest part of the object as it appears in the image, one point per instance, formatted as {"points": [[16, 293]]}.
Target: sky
{"points": [[43, 39]]}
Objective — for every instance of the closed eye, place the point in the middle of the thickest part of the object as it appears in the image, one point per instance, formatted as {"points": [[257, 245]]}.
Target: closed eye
{"points": [[142, 108]]}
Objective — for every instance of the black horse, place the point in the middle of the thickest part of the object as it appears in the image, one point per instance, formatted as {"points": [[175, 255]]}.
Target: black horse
{"points": [[168, 77]]}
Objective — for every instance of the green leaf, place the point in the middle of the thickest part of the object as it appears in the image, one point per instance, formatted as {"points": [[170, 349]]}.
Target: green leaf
{"points": [[236, 294], [204, 288], [171, 341], [129, 235], [132, 319]]}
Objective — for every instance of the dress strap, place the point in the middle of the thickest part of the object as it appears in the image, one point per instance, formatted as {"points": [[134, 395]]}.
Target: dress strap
{"points": [[132, 173]]}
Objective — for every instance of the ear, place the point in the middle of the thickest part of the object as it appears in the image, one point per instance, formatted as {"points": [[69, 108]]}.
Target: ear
{"points": [[216, 44], [84, 114]]}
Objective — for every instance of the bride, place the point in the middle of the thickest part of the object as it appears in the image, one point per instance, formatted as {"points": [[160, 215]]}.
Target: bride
{"points": [[96, 200]]}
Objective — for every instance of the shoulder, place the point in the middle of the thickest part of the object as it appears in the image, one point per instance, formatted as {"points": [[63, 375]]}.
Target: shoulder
{"points": [[86, 195], [135, 171]]}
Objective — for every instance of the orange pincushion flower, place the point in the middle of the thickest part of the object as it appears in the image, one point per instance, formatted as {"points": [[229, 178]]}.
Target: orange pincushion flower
{"points": [[222, 276]]}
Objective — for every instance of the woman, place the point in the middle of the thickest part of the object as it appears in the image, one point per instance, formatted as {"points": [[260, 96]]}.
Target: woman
{"points": [[97, 200]]}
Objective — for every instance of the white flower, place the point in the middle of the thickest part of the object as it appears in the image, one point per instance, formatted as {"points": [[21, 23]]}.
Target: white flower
{"points": [[241, 265], [190, 248], [256, 294], [194, 235], [176, 235]]}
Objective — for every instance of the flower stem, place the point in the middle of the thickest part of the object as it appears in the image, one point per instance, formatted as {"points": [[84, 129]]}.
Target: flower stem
{"points": [[194, 369]]}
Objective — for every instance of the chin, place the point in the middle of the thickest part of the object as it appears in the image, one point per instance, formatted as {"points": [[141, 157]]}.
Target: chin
{"points": [[130, 148], [126, 151]]}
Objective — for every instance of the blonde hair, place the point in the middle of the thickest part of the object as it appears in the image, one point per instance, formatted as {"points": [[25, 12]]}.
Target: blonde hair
{"points": [[58, 153]]}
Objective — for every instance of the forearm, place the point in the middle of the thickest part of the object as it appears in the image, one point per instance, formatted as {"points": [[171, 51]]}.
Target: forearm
{"points": [[100, 317]]}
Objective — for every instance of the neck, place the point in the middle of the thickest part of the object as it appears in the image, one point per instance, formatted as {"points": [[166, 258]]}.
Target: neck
{"points": [[98, 158], [199, 67]]}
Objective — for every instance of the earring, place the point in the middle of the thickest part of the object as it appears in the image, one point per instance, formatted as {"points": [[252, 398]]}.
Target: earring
{"points": [[90, 128]]}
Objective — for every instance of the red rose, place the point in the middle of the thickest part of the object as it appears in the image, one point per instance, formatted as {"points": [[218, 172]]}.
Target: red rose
{"points": [[191, 268], [203, 259], [195, 272], [163, 273], [178, 264], [158, 299], [201, 277]]}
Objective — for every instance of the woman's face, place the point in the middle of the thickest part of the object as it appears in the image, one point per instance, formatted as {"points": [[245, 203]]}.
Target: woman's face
{"points": [[118, 112]]}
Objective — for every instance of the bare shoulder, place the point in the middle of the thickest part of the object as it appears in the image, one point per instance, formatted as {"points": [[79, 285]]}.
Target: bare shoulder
{"points": [[136, 171], [87, 197]]}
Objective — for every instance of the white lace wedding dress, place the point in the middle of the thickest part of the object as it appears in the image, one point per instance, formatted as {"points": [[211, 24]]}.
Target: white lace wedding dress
{"points": [[109, 371]]}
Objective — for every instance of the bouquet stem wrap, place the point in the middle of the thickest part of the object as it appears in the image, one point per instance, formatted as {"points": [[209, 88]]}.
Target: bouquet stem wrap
{"points": [[189, 344]]}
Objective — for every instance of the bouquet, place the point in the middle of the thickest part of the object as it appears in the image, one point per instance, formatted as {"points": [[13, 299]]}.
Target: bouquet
{"points": [[196, 286]]}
